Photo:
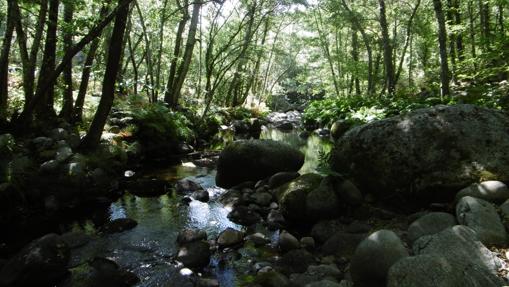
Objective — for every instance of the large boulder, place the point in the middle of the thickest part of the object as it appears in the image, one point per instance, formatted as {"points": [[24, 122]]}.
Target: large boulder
{"points": [[430, 153], [41, 263], [252, 160], [374, 257], [459, 245], [437, 271], [292, 196]]}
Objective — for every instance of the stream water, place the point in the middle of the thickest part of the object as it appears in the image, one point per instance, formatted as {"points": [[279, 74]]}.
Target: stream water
{"points": [[147, 249]]}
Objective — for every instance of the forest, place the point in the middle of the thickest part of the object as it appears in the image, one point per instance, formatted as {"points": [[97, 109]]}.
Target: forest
{"points": [[300, 143]]}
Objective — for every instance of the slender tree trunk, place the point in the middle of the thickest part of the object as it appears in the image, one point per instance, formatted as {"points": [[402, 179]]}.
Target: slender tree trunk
{"points": [[387, 45], [23, 50], [442, 39], [452, 37], [85, 75], [113, 65], [148, 56], [168, 95], [472, 31], [4, 58], [68, 100], [188, 55], [45, 108], [160, 49], [484, 13], [29, 82], [459, 35], [326, 49], [407, 39], [355, 58]]}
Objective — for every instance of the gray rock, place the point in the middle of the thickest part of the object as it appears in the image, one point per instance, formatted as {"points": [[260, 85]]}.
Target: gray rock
{"points": [[76, 239], [308, 243], [244, 216], [483, 218], [342, 244], [325, 229], [184, 186], [430, 224], [58, 134], [504, 209], [349, 193], [339, 128], [258, 239], [119, 225], [189, 235], [42, 143], [43, 262], [230, 237], [492, 191], [262, 198], [292, 196], [435, 270], [275, 220], [281, 178], [49, 166], [374, 257], [201, 195], [461, 245], [287, 241], [253, 160], [436, 151], [322, 202], [195, 254], [271, 279], [63, 153], [295, 261]]}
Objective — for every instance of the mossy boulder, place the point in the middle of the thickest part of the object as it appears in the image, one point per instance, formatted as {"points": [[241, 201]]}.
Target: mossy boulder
{"points": [[292, 196], [428, 154], [253, 160]]}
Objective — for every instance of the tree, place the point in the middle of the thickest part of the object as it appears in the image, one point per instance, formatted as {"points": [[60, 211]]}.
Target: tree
{"points": [[442, 41], [93, 137]]}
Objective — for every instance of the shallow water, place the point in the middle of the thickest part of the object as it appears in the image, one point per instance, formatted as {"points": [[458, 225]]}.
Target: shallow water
{"points": [[147, 249]]}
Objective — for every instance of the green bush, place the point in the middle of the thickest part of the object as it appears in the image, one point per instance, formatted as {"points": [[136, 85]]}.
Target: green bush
{"points": [[156, 124]]}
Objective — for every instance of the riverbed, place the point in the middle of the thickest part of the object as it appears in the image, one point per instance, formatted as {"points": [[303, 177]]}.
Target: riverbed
{"points": [[148, 249]]}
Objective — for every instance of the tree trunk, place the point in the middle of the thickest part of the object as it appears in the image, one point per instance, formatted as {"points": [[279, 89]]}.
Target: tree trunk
{"points": [[93, 136], [68, 100], [188, 55], [168, 95], [355, 58], [442, 39], [452, 37], [4, 58], [387, 46], [45, 108], [472, 31]]}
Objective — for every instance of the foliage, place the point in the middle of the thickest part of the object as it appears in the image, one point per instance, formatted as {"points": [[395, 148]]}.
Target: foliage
{"points": [[158, 123], [360, 110]]}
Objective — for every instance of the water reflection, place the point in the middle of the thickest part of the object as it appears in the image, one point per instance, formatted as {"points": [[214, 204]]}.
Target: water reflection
{"points": [[313, 146]]}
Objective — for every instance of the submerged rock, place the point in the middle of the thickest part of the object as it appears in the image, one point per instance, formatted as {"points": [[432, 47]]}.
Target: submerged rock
{"points": [[253, 160], [431, 152], [119, 225]]}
